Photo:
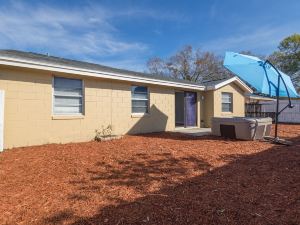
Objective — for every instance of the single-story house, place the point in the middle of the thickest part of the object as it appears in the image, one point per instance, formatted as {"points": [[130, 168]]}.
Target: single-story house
{"points": [[46, 99]]}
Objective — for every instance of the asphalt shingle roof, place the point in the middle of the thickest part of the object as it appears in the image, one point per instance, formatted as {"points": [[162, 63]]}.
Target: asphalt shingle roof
{"points": [[41, 58], [215, 82]]}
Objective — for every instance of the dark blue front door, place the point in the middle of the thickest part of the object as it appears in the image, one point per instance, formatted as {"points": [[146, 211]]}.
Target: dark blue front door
{"points": [[190, 106]]}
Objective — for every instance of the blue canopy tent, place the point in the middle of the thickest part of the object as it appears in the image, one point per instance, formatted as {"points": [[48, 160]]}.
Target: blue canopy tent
{"points": [[264, 77]]}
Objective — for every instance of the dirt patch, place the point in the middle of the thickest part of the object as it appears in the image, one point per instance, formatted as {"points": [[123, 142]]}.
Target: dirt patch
{"points": [[162, 178]]}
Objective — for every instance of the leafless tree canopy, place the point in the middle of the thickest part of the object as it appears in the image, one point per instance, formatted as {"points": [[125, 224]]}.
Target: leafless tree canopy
{"points": [[189, 64]]}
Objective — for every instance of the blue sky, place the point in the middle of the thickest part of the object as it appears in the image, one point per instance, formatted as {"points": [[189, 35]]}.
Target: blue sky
{"points": [[125, 34]]}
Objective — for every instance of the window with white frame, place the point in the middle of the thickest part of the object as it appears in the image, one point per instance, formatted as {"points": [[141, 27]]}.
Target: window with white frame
{"points": [[226, 102], [139, 99], [67, 96]]}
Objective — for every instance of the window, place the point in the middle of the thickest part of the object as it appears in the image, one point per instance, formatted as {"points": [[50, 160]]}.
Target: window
{"points": [[139, 99], [67, 96], [226, 102]]}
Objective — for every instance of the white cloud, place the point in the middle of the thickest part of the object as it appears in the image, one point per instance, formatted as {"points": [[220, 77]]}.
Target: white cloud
{"points": [[86, 32], [66, 32], [262, 40]]}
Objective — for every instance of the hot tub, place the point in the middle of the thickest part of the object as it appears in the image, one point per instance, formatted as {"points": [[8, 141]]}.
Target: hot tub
{"points": [[244, 128]]}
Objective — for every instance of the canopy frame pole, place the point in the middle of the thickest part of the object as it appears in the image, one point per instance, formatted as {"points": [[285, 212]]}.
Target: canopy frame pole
{"points": [[289, 105], [277, 108]]}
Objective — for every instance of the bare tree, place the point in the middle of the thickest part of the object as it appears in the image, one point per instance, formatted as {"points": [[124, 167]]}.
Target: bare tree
{"points": [[189, 64], [156, 66]]}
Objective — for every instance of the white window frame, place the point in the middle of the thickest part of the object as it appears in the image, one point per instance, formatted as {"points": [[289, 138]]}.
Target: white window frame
{"points": [[82, 96], [140, 99], [229, 102]]}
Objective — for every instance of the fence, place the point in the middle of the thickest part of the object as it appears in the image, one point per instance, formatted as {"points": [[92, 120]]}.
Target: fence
{"points": [[255, 110], [268, 109]]}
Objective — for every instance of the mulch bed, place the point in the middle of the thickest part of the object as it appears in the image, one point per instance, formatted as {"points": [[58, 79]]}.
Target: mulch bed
{"points": [[161, 178]]}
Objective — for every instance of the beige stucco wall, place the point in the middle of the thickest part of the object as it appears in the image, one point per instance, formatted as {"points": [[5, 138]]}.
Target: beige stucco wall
{"points": [[213, 103], [208, 107], [28, 109]]}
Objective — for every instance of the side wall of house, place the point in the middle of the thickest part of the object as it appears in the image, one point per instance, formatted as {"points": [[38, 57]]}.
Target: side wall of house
{"points": [[213, 103], [238, 101], [208, 107], [28, 109]]}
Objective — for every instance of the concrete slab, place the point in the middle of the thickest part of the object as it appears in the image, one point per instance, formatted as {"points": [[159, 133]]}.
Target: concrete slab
{"points": [[195, 131]]}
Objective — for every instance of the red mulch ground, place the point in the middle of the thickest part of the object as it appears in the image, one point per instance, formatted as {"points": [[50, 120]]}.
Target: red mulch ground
{"points": [[158, 178]]}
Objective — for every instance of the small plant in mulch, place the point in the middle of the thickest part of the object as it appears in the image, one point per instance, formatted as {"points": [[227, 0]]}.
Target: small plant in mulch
{"points": [[105, 134]]}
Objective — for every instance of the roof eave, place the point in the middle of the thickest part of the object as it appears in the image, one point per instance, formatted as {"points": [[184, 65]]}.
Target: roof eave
{"points": [[93, 73], [258, 97], [238, 81]]}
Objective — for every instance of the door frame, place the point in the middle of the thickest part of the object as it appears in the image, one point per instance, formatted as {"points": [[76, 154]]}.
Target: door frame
{"points": [[184, 108], [179, 91], [196, 110]]}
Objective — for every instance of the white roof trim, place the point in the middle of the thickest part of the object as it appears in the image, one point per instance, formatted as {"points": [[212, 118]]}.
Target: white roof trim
{"points": [[237, 80], [258, 97], [93, 73]]}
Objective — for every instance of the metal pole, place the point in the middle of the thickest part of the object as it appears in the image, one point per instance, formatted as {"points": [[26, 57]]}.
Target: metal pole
{"points": [[279, 74], [277, 96], [277, 109]]}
